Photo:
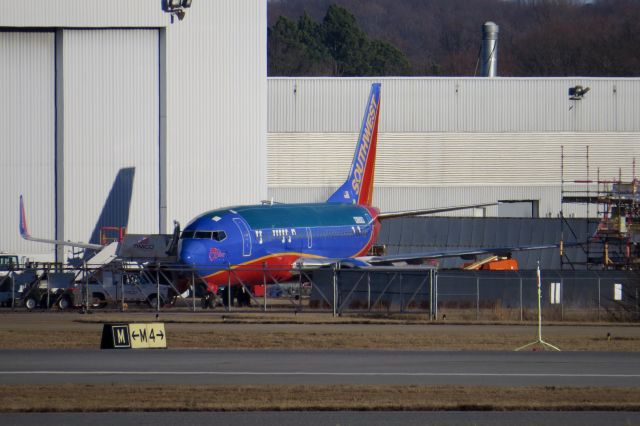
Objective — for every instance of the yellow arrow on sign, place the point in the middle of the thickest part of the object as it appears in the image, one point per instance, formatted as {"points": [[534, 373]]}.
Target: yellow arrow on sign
{"points": [[147, 335]]}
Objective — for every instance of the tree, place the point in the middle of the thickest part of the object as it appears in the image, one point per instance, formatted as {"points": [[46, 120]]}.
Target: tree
{"points": [[337, 46], [296, 49], [442, 37]]}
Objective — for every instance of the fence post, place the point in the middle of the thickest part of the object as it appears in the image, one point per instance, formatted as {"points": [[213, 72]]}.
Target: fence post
{"points": [[48, 290], [264, 283], [229, 287], [335, 290], [122, 293], [86, 287], [521, 308], [157, 288], [13, 292], [299, 308], [368, 291], [401, 295], [431, 295], [598, 298], [193, 288], [477, 298], [561, 299], [435, 297]]}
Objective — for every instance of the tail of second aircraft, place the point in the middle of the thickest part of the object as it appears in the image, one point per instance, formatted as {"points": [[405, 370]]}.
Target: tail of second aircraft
{"points": [[358, 188], [24, 231]]}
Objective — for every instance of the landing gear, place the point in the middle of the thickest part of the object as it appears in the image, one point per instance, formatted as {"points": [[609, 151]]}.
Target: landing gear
{"points": [[64, 303], [208, 301], [30, 303]]}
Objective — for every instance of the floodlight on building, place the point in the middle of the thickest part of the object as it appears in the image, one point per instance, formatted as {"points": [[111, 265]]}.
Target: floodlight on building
{"points": [[576, 93], [176, 8]]}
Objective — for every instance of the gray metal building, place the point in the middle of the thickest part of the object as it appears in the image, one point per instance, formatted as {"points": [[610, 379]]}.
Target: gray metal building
{"points": [[112, 115], [450, 141]]}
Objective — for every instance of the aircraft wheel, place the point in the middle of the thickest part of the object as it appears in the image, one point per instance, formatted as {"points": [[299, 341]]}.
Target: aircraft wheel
{"points": [[64, 303], [30, 303], [98, 301], [208, 301], [153, 301]]}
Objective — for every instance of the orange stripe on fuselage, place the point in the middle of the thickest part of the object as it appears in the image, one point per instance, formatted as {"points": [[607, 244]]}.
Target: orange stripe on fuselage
{"points": [[366, 195]]}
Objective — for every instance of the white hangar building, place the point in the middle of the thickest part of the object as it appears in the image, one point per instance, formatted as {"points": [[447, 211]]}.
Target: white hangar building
{"points": [[112, 115], [455, 141]]}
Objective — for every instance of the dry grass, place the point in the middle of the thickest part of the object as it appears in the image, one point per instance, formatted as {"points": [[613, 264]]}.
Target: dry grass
{"points": [[79, 398], [242, 331]]}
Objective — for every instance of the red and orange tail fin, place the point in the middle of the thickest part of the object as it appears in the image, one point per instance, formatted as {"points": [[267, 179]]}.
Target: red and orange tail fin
{"points": [[358, 188]]}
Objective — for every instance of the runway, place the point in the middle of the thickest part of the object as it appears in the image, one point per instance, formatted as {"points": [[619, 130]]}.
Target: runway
{"points": [[246, 367], [311, 418]]}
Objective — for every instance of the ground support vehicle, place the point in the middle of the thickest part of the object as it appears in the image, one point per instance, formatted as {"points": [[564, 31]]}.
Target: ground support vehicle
{"points": [[118, 286]]}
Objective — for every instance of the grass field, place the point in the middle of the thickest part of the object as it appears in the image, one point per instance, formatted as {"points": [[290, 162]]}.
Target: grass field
{"points": [[47, 330], [117, 397], [313, 331]]}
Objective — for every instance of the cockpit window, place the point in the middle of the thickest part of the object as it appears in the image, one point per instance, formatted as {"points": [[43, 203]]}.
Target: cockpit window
{"points": [[187, 234], [218, 235], [205, 235]]}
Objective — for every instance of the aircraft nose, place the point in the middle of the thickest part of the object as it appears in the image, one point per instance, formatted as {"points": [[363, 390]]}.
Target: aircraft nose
{"points": [[187, 253]]}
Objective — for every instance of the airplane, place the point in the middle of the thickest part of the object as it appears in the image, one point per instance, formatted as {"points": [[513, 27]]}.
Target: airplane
{"points": [[248, 244], [251, 244]]}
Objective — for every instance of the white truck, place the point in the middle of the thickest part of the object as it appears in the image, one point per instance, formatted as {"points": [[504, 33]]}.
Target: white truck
{"points": [[35, 286], [109, 286]]}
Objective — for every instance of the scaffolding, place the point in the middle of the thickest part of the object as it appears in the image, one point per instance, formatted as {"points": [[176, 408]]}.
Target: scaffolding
{"points": [[612, 212]]}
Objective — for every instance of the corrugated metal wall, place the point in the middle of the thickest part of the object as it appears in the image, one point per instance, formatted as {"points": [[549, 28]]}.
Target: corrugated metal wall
{"points": [[27, 123], [110, 131], [447, 141], [82, 13], [217, 121], [418, 105], [439, 159], [112, 112], [391, 199]]}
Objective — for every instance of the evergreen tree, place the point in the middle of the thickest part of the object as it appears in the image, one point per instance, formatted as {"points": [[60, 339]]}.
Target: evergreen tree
{"points": [[337, 47]]}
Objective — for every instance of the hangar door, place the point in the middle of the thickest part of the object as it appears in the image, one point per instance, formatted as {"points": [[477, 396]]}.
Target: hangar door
{"points": [[27, 134], [111, 131]]}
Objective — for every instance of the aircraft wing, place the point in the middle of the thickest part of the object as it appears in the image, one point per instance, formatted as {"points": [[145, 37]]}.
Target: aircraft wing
{"points": [[420, 212], [464, 253], [24, 233], [417, 257]]}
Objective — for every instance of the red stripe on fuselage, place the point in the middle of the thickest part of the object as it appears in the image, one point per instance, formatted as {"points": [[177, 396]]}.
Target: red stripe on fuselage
{"points": [[375, 229], [272, 268]]}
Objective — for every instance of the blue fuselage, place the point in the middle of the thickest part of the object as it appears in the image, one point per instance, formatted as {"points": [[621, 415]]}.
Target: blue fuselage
{"points": [[249, 238]]}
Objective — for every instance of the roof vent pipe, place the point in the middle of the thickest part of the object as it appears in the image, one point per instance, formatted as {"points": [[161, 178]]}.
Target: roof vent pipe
{"points": [[489, 50]]}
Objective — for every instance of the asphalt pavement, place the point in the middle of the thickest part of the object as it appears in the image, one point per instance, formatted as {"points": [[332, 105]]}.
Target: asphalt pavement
{"points": [[321, 367], [343, 418]]}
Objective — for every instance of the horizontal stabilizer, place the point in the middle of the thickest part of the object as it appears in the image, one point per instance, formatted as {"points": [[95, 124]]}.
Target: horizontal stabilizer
{"points": [[406, 213], [468, 253]]}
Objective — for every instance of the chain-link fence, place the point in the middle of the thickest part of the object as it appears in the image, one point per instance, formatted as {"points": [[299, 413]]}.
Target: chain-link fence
{"points": [[442, 295], [482, 295]]}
